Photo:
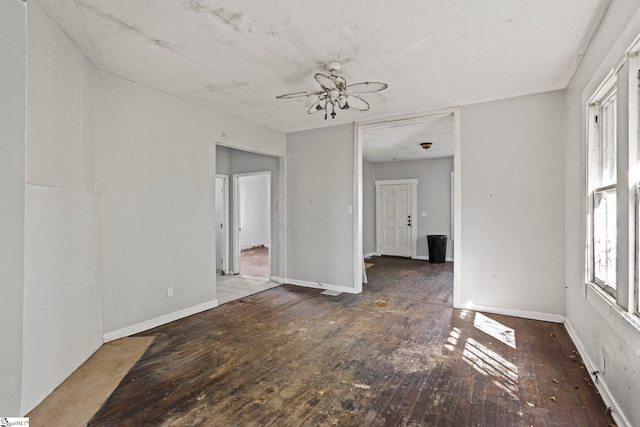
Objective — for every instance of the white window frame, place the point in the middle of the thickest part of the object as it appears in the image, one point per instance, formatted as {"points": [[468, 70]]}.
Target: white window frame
{"points": [[634, 179], [608, 286], [624, 79], [631, 171], [604, 96]]}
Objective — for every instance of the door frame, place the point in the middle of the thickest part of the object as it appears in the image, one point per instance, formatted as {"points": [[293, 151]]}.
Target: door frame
{"points": [[357, 180], [225, 224], [236, 218], [414, 212]]}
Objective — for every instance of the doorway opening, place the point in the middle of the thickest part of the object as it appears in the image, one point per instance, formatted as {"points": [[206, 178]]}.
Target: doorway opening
{"points": [[391, 154], [252, 217], [237, 167]]}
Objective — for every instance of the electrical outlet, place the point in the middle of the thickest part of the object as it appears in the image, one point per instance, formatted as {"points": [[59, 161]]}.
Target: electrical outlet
{"points": [[169, 291]]}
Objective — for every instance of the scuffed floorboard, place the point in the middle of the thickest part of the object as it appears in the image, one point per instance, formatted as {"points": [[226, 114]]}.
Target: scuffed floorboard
{"points": [[76, 400], [398, 354]]}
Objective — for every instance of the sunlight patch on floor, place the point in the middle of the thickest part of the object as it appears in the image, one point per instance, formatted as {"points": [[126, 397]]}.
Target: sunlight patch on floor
{"points": [[495, 329], [488, 362]]}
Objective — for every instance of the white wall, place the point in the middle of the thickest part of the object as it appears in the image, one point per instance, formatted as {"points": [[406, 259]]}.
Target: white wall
{"points": [[62, 310], [434, 195], [368, 208], [255, 215], [12, 193], [320, 190], [155, 175], [595, 325], [512, 231], [223, 160]]}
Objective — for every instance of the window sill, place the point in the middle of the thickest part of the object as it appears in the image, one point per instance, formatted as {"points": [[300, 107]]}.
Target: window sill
{"points": [[624, 324]]}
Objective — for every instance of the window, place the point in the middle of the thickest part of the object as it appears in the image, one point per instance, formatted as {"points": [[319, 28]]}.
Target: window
{"points": [[604, 237], [602, 187], [613, 188]]}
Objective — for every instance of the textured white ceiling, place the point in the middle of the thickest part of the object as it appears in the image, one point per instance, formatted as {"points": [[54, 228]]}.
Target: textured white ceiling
{"points": [[401, 140], [237, 56]]}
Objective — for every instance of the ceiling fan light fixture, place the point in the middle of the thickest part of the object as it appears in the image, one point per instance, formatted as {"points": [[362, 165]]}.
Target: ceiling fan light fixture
{"points": [[335, 91], [426, 145]]}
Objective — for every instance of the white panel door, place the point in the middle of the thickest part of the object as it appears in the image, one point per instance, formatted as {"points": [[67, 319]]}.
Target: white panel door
{"points": [[395, 214]]}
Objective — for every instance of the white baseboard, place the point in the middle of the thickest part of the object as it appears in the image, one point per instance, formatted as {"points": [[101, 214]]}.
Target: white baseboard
{"points": [[316, 285], [619, 417], [277, 279], [426, 258], [152, 323], [421, 257], [533, 315]]}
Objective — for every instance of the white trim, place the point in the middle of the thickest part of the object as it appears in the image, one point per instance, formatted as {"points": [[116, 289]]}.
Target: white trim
{"points": [[600, 383], [406, 119], [278, 279], [316, 285], [426, 258], [235, 262], [370, 254], [158, 321], [452, 192], [634, 47], [282, 212], [604, 87], [633, 175], [412, 181], [457, 207], [359, 273], [414, 211], [533, 315], [225, 260]]}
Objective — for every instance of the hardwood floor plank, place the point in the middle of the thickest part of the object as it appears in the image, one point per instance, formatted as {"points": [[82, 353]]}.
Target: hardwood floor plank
{"points": [[396, 355]]}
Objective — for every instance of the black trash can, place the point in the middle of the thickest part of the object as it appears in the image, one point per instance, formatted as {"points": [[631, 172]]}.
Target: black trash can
{"points": [[437, 248]]}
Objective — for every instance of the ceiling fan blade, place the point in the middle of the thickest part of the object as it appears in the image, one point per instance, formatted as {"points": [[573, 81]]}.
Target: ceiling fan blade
{"points": [[325, 81], [357, 103], [366, 87], [298, 95]]}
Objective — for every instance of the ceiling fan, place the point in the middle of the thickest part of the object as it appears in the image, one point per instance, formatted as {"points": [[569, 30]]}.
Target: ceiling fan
{"points": [[336, 92]]}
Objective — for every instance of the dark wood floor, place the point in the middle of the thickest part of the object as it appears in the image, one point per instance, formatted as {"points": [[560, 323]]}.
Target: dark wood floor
{"points": [[398, 354]]}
